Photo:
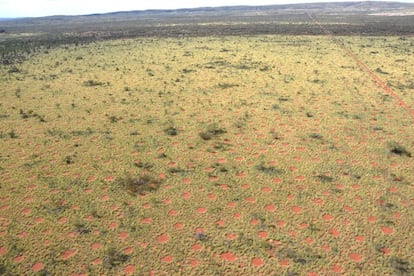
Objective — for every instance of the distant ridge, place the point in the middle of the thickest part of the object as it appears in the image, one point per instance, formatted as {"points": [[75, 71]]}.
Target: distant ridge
{"points": [[344, 6], [353, 18], [362, 6]]}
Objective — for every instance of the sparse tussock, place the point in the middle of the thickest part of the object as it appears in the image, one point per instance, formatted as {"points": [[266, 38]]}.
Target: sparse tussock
{"points": [[140, 184], [212, 131]]}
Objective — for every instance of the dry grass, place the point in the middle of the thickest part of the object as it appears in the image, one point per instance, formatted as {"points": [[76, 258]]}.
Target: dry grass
{"points": [[216, 155]]}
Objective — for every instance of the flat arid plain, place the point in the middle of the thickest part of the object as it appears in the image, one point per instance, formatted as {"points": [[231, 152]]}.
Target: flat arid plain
{"points": [[268, 144]]}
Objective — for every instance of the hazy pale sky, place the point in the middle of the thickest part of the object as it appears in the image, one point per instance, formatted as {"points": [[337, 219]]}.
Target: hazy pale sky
{"points": [[34, 8]]}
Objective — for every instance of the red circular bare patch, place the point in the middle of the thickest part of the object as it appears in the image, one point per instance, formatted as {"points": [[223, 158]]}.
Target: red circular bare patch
{"points": [[3, 250], [178, 226], [196, 247], [300, 178], [129, 270], [327, 217], [211, 196], [334, 232], [220, 223], [67, 254], [97, 261], [186, 195], [231, 236], [359, 238], [146, 220], [241, 174], [336, 268], [250, 200], [123, 235], [276, 180], [95, 246], [128, 250], [262, 234], [167, 259], [281, 223], [228, 256], [317, 201], [194, 263], [18, 259], [387, 230], [284, 262], [270, 208], [37, 267], [266, 190], [162, 238], [110, 178], [355, 257], [296, 209], [257, 262]]}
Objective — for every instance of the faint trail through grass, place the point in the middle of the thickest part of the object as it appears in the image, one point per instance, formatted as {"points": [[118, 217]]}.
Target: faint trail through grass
{"points": [[366, 69]]}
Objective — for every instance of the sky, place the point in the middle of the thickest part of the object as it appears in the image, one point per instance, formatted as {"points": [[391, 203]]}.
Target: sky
{"points": [[36, 8]]}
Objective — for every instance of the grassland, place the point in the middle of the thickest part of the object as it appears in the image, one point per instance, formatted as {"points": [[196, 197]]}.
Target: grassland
{"points": [[208, 155]]}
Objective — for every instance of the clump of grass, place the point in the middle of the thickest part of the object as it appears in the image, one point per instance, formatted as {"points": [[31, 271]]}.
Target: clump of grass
{"points": [[324, 178], [3, 269], [12, 134], [401, 266], [302, 257], [172, 131], [69, 159], [86, 132], [138, 184], [81, 228], [316, 136], [212, 131], [114, 258], [271, 170], [176, 170], [221, 146], [226, 85], [220, 168], [200, 236], [379, 70], [114, 119], [275, 135], [144, 165], [14, 69], [275, 107], [31, 114], [93, 83], [397, 149]]}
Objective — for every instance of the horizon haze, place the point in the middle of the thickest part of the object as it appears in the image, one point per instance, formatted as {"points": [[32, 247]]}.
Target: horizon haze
{"points": [[40, 8]]}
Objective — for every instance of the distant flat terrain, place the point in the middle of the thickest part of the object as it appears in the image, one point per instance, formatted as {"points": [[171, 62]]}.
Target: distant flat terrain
{"points": [[25, 35], [345, 18]]}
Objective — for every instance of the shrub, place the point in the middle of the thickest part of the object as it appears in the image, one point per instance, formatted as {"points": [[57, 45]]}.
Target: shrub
{"points": [[93, 83], [271, 170], [316, 136], [12, 134], [324, 178], [212, 131], [397, 149], [14, 69], [172, 131], [114, 258], [138, 184]]}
